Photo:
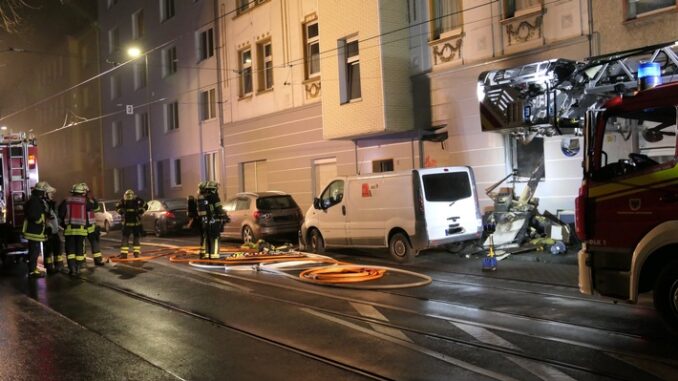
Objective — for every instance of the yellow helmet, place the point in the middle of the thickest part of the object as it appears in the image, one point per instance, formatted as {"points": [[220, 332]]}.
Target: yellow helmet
{"points": [[80, 188], [211, 186], [44, 187], [129, 195], [201, 186], [84, 185]]}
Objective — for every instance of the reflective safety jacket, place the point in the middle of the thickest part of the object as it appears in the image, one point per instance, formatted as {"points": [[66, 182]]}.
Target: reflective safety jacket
{"points": [[131, 211], [34, 221], [92, 208], [73, 213], [209, 206]]}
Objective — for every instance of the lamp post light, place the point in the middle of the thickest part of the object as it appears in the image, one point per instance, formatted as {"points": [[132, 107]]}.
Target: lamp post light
{"points": [[135, 52]]}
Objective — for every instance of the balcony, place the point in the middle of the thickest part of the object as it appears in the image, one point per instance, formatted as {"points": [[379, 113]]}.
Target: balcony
{"points": [[446, 50], [524, 31]]}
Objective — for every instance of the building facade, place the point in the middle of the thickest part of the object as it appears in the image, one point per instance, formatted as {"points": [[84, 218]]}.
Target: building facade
{"points": [[161, 115]]}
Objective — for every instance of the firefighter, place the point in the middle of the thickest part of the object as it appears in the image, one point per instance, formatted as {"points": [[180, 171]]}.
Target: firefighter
{"points": [[34, 226], [93, 230], [198, 219], [131, 208], [54, 259], [212, 217], [73, 215]]}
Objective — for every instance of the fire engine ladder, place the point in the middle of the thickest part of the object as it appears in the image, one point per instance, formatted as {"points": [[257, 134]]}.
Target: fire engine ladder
{"points": [[618, 72], [18, 159]]}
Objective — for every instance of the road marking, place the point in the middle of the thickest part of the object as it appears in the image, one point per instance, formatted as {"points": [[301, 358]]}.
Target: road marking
{"points": [[545, 372], [655, 368], [371, 312], [485, 336], [420, 349]]}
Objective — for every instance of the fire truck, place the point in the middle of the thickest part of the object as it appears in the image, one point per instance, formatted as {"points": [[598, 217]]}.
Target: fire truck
{"points": [[623, 106], [18, 174]]}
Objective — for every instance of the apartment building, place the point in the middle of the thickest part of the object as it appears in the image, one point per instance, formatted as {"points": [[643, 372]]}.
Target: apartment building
{"points": [[57, 52], [161, 132]]}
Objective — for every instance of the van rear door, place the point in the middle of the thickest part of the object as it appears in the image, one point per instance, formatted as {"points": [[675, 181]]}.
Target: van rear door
{"points": [[451, 209]]}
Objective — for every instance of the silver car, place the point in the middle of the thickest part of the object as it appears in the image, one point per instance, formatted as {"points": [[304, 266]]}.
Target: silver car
{"points": [[107, 218], [262, 215]]}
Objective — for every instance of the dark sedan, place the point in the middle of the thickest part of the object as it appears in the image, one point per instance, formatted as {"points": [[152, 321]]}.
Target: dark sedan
{"points": [[165, 216]]}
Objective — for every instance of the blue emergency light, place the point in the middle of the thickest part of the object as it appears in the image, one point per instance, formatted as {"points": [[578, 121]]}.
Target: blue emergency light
{"points": [[649, 75]]}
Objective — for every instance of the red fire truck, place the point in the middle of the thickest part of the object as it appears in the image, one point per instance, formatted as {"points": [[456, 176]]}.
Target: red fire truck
{"points": [[627, 207], [18, 174]]}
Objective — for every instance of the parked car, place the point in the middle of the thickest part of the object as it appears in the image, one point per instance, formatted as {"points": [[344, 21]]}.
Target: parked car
{"points": [[165, 216], [108, 218], [262, 215]]}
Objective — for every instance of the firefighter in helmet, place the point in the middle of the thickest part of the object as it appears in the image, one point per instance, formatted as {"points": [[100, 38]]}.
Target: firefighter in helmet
{"points": [[73, 215], [34, 226], [131, 207], [198, 219], [54, 259], [212, 216], [93, 230]]}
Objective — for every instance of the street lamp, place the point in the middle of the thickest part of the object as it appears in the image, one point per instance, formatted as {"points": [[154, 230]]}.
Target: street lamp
{"points": [[135, 52]]}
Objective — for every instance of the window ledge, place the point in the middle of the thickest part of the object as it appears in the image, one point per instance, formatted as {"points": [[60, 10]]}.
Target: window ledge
{"points": [[245, 97], [647, 15], [254, 4], [311, 80], [523, 14], [264, 91], [356, 100], [449, 35]]}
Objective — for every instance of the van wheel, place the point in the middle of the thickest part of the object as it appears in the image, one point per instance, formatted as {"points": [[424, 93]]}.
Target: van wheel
{"points": [[666, 295], [247, 235], [317, 242], [400, 249], [157, 230], [455, 247], [107, 227]]}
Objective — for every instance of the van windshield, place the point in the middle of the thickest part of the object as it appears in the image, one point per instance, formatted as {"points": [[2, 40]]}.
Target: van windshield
{"points": [[446, 186]]}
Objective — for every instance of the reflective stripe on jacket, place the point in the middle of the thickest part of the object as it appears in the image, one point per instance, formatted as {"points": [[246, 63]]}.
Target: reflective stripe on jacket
{"points": [[34, 223]]}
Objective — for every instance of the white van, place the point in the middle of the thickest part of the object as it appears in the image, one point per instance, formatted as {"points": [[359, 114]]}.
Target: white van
{"points": [[406, 211]]}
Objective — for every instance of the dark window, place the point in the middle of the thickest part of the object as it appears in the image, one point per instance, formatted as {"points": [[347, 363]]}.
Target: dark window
{"points": [[382, 166], [528, 157], [447, 187], [207, 44], [242, 204], [275, 202]]}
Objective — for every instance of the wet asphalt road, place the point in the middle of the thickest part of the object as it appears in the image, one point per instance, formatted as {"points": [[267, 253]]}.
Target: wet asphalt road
{"points": [[159, 320]]}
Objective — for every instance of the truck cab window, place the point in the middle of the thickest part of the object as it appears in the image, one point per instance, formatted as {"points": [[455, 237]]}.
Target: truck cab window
{"points": [[636, 142], [333, 194]]}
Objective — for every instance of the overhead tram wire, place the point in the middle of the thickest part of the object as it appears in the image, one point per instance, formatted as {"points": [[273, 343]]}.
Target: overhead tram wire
{"points": [[293, 63]]}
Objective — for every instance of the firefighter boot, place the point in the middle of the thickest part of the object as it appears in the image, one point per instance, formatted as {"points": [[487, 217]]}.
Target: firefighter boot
{"points": [[59, 263], [136, 250], [73, 269], [98, 261], [36, 274]]}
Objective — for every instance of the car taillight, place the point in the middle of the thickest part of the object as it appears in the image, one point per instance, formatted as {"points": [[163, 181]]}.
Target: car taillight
{"points": [[169, 214], [256, 215], [580, 212]]}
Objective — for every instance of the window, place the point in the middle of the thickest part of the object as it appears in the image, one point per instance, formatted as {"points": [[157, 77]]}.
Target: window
{"points": [[333, 194], [166, 9], [140, 74], [528, 157], [206, 44], [141, 125], [141, 176], [382, 166], [245, 72], [447, 16], [636, 8], [514, 8], [210, 160], [208, 104], [117, 177], [176, 172], [242, 5], [113, 40], [115, 86], [349, 77], [312, 54], [265, 66], [138, 24], [169, 61], [171, 116], [116, 136], [254, 176]]}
